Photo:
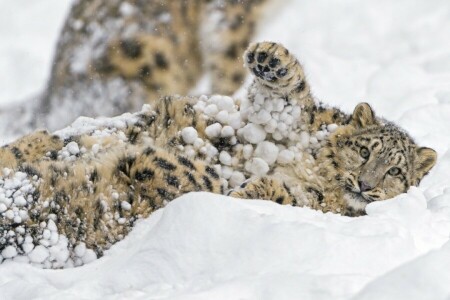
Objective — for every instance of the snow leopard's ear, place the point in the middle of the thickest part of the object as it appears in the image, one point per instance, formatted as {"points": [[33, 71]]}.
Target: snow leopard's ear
{"points": [[363, 116], [425, 160]]}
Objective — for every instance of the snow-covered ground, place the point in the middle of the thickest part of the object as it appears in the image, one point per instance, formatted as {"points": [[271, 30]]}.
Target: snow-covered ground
{"points": [[393, 54]]}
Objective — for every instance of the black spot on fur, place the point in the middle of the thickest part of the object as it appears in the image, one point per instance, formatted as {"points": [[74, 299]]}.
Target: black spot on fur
{"points": [[149, 151], [164, 164], [53, 155], [165, 194], [279, 200], [374, 145], [124, 164], [30, 170], [335, 164], [17, 153], [68, 140], [144, 174], [222, 143], [173, 181], [161, 61], [192, 180], [131, 48], [318, 194], [207, 183], [300, 87], [232, 52], [145, 71], [94, 176], [313, 118], [237, 77], [212, 172], [186, 162]]}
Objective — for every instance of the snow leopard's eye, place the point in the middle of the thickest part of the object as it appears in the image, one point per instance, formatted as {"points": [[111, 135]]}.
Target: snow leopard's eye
{"points": [[364, 152], [394, 171]]}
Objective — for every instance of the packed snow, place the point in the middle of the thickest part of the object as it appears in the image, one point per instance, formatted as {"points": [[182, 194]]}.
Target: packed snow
{"points": [[392, 54]]}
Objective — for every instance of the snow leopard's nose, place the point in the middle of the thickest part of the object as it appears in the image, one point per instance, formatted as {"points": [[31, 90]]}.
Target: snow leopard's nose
{"points": [[364, 187]]}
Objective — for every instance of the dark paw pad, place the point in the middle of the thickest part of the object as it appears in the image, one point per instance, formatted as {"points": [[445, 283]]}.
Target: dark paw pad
{"points": [[250, 57], [262, 57]]}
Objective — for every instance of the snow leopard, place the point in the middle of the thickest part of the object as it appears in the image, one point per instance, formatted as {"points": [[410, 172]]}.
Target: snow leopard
{"points": [[280, 144], [113, 56]]}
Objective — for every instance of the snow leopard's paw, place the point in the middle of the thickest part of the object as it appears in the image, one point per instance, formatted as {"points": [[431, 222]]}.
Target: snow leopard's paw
{"points": [[275, 67], [265, 189]]}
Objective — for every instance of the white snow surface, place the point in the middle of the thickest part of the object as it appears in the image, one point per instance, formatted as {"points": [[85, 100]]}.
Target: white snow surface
{"points": [[392, 54]]}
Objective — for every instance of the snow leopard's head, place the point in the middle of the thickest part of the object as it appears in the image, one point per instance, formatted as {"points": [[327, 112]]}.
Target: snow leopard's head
{"points": [[375, 160]]}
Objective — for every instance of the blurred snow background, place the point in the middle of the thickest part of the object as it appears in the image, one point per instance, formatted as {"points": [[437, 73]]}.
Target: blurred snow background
{"points": [[394, 54], [28, 34]]}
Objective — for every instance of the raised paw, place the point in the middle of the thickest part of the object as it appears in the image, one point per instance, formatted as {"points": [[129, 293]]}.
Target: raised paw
{"points": [[275, 67]]}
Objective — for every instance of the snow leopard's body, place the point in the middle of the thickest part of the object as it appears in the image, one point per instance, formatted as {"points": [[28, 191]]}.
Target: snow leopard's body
{"points": [[95, 185], [113, 56]]}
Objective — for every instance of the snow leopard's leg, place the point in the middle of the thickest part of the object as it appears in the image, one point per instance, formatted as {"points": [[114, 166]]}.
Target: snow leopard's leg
{"points": [[279, 74], [226, 31], [266, 189]]}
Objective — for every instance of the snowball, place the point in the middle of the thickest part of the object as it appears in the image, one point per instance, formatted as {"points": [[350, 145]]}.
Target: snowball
{"points": [[9, 214], [95, 148], [211, 110], [253, 133], [279, 105], [236, 179], [227, 172], [222, 117], [9, 252], [247, 151], [189, 135], [271, 126], [51, 225], [234, 120], [225, 158], [321, 135], [27, 247], [3, 207], [20, 201], [226, 103], [125, 205], [39, 254], [304, 139], [332, 127], [80, 250], [277, 136], [285, 157], [89, 256], [268, 151], [227, 131], [259, 99], [258, 167], [73, 149], [262, 117], [198, 143], [213, 130], [46, 234]]}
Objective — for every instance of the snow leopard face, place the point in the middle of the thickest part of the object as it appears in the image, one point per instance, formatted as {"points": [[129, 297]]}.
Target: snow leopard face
{"points": [[376, 161]]}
